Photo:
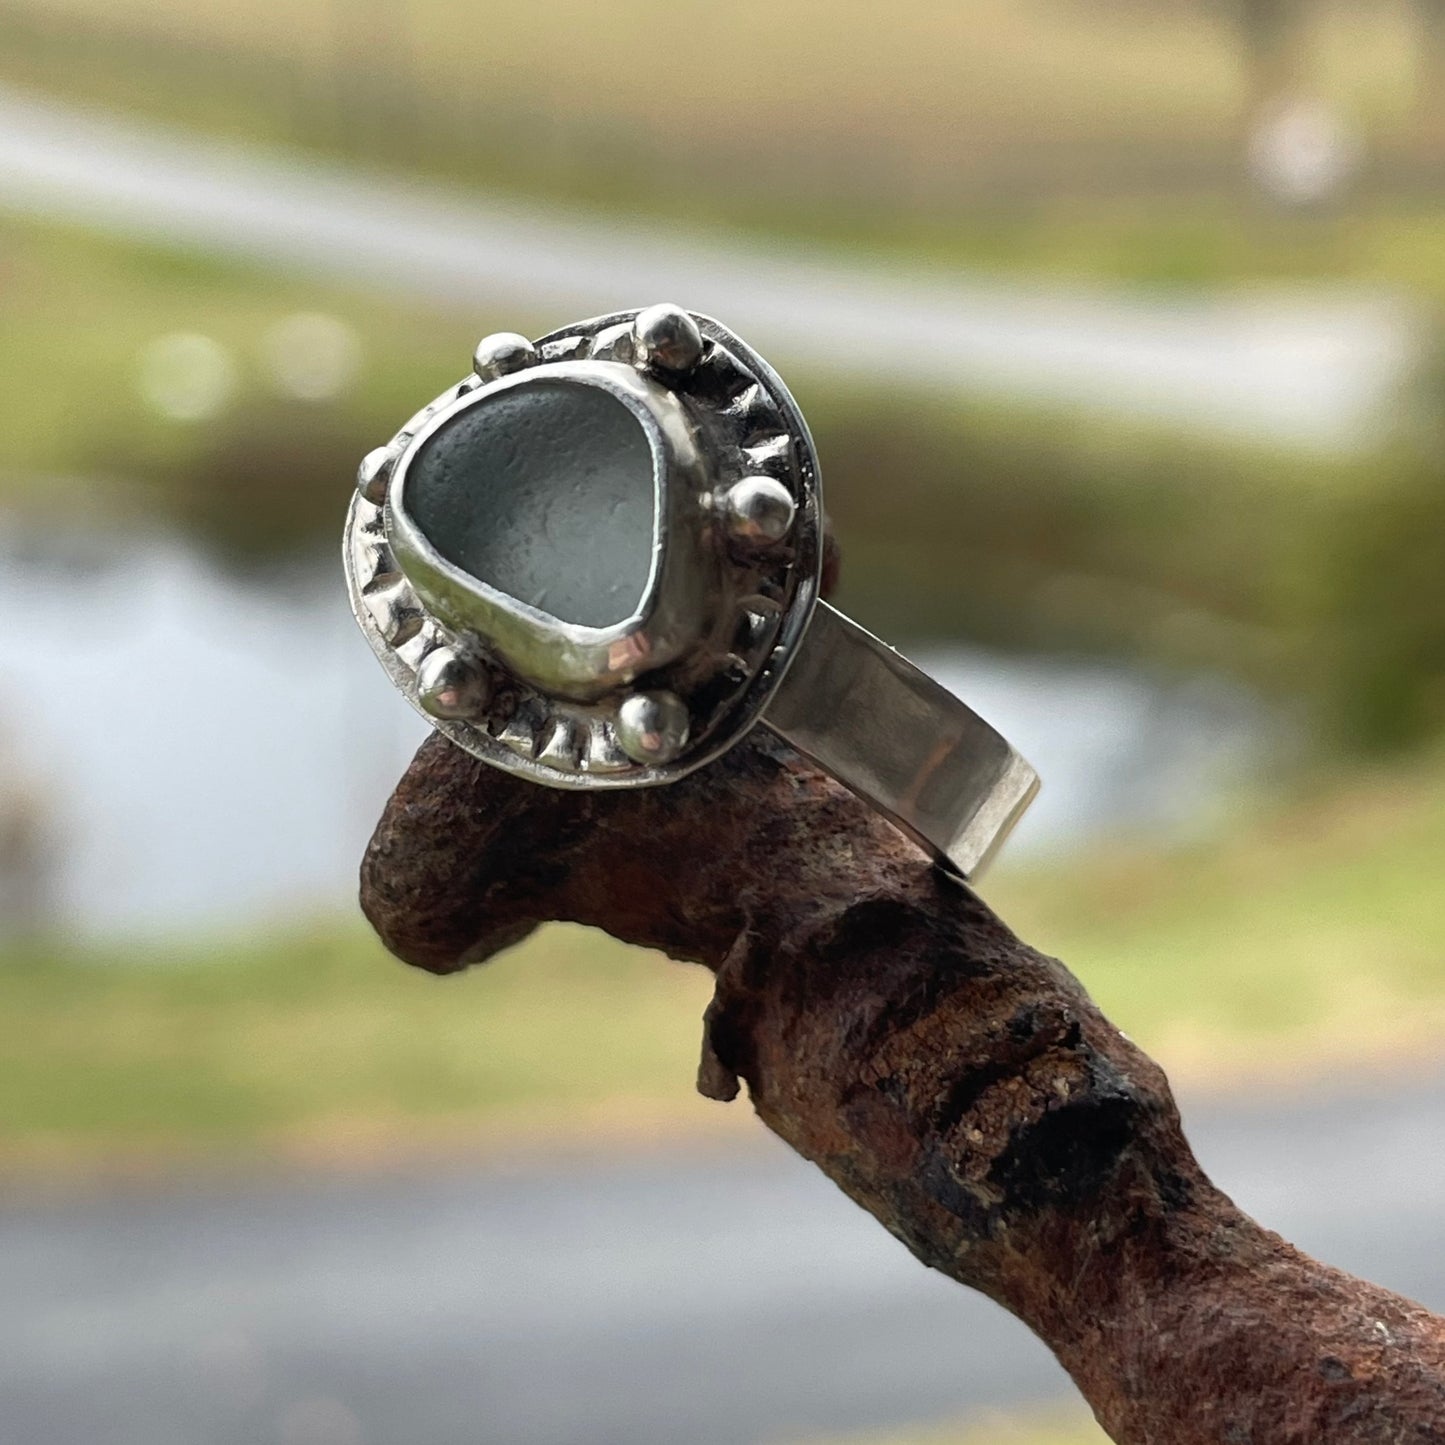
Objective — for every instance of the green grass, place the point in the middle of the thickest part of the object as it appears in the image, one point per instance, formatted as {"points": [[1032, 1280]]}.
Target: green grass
{"points": [[999, 134], [1053, 1427], [268, 472], [1296, 941], [1314, 933], [320, 1042], [988, 69], [1206, 242], [77, 311]]}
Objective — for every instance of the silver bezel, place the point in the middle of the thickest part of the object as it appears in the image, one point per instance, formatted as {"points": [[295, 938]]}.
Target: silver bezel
{"points": [[558, 657], [719, 626]]}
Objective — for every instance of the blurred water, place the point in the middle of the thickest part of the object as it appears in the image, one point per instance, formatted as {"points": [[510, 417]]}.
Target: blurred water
{"points": [[212, 746]]}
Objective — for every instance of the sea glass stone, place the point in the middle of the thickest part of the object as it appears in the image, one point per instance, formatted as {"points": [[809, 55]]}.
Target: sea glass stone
{"points": [[545, 492]]}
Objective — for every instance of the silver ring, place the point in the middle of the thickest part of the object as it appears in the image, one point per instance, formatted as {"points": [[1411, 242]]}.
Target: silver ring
{"points": [[594, 563]]}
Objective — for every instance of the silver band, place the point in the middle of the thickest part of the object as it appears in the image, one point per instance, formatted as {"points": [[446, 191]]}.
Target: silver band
{"points": [[595, 564], [902, 742]]}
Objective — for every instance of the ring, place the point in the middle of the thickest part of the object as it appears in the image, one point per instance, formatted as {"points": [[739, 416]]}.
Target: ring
{"points": [[595, 563]]}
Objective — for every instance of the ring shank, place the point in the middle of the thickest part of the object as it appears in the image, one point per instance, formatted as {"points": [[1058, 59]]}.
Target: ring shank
{"points": [[902, 742]]}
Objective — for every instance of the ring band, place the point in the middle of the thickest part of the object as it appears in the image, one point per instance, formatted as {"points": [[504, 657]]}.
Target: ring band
{"points": [[902, 742], [595, 562]]}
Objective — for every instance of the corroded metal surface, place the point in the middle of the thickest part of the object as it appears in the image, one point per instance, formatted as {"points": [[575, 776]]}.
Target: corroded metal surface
{"points": [[955, 1082]]}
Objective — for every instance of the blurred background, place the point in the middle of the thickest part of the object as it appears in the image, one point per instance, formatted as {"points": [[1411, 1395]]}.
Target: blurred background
{"points": [[1118, 325]]}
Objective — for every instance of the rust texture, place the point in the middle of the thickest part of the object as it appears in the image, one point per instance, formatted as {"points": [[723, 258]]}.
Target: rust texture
{"points": [[956, 1083]]}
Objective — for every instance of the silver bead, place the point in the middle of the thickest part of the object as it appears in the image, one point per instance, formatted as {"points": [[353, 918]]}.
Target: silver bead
{"points": [[501, 354], [652, 726], [759, 511], [374, 473], [448, 686], [667, 338]]}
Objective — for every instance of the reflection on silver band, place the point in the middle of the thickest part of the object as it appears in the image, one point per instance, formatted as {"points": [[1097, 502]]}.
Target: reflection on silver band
{"points": [[902, 742]]}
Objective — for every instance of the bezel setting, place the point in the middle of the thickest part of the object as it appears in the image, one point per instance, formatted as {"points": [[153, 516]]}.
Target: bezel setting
{"points": [[726, 603]]}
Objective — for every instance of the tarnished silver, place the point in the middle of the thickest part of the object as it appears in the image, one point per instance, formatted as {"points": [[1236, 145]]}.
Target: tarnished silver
{"points": [[727, 630]]}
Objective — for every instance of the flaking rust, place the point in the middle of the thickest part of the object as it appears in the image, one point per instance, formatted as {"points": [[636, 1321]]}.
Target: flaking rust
{"points": [[958, 1084]]}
